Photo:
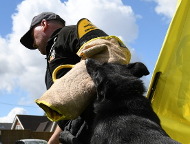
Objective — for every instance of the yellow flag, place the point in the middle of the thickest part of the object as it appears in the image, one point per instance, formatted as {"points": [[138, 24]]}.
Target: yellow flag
{"points": [[169, 88]]}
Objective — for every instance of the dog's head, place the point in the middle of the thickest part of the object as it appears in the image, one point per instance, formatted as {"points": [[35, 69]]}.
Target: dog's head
{"points": [[114, 81]]}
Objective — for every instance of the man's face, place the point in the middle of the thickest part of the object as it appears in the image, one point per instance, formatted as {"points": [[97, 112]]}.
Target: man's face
{"points": [[40, 39]]}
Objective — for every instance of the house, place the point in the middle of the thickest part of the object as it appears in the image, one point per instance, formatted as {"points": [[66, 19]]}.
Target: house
{"points": [[27, 127], [33, 123]]}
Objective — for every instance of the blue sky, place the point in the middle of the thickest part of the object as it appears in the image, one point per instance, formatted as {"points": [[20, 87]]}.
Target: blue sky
{"points": [[8, 8], [141, 24]]}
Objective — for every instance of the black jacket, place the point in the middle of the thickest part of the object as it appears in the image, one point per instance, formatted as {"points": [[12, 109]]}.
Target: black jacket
{"points": [[61, 49]]}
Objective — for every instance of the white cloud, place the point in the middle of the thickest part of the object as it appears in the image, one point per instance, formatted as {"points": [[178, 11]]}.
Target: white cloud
{"points": [[11, 115], [165, 7], [25, 68]]}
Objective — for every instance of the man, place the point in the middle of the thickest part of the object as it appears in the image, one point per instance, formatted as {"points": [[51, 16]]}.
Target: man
{"points": [[60, 43]]}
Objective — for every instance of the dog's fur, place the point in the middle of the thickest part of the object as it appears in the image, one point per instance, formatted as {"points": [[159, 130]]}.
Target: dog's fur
{"points": [[123, 114]]}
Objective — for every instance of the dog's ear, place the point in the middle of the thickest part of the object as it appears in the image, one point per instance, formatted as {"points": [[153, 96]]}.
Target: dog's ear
{"points": [[138, 69], [99, 77], [93, 68]]}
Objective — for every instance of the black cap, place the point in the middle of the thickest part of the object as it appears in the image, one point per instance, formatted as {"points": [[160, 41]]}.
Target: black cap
{"points": [[27, 39]]}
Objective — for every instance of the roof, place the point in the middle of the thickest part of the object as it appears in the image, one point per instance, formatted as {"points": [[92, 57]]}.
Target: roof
{"points": [[5, 126], [45, 126], [32, 122]]}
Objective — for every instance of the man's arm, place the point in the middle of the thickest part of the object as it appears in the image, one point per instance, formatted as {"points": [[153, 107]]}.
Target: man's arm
{"points": [[55, 136]]}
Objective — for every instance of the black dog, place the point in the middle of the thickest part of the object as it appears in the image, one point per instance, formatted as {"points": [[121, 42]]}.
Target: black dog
{"points": [[123, 114]]}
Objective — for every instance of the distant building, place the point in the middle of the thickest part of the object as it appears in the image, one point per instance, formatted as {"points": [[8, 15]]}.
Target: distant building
{"points": [[34, 123], [26, 127]]}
